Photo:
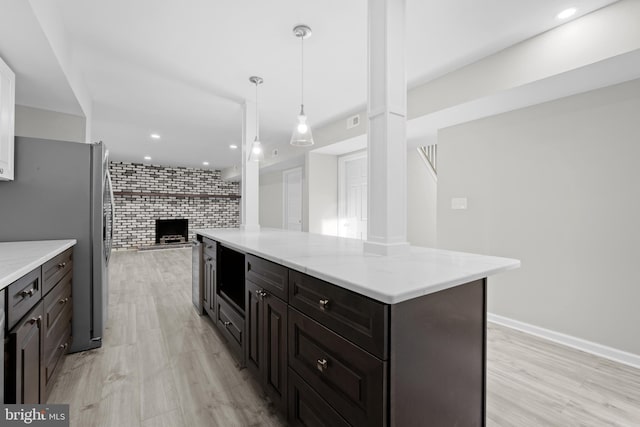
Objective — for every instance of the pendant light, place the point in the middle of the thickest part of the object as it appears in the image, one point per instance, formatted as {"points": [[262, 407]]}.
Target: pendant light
{"points": [[256, 153], [301, 136]]}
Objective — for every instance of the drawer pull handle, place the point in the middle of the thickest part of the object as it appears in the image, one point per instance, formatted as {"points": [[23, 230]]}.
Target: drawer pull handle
{"points": [[324, 304], [65, 345], [260, 293], [62, 265], [209, 246], [226, 323], [64, 301], [28, 293], [322, 365], [35, 319], [209, 259]]}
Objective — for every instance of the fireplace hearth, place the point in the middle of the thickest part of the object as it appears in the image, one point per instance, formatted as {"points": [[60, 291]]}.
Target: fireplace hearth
{"points": [[172, 231]]}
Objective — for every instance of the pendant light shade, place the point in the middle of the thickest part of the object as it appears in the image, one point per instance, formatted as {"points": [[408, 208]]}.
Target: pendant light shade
{"points": [[302, 136], [256, 152]]}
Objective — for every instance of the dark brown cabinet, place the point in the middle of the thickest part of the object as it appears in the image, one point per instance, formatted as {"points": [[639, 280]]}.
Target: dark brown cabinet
{"points": [[266, 344], [266, 292], [228, 294], [22, 295], [231, 325], [39, 324], [360, 319], [307, 408], [329, 356], [25, 382], [3, 325], [209, 285], [56, 327]]}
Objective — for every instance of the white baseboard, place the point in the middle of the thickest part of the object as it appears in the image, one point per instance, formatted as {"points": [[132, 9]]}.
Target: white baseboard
{"points": [[610, 353]]}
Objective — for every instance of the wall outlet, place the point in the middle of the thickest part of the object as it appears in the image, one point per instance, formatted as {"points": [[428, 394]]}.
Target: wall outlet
{"points": [[459, 203]]}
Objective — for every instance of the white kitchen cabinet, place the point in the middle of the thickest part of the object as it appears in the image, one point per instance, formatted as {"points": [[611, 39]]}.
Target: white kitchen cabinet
{"points": [[7, 120]]}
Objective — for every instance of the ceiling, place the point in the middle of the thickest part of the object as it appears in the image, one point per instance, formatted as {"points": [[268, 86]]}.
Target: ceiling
{"points": [[181, 69]]}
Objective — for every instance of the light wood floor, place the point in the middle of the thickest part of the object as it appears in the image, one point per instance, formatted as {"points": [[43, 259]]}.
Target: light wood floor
{"points": [[163, 365]]}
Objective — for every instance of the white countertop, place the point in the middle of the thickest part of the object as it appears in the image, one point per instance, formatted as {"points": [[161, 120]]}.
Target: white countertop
{"points": [[19, 258], [389, 279]]}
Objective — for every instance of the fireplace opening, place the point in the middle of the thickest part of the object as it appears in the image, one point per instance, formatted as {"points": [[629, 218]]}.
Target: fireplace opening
{"points": [[172, 231]]}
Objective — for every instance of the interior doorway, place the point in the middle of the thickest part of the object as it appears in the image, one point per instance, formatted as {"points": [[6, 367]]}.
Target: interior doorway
{"points": [[352, 195]]}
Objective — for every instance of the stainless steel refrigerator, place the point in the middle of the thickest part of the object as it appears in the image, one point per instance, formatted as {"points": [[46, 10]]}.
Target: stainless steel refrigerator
{"points": [[62, 190]]}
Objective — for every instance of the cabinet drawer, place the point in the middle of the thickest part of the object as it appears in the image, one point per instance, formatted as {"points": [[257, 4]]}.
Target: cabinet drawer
{"points": [[355, 317], [209, 247], [231, 324], [351, 380], [55, 269], [54, 350], [22, 295], [267, 275], [307, 408], [57, 310]]}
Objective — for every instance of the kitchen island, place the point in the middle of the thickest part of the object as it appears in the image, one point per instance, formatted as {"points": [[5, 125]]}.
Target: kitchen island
{"points": [[339, 337]]}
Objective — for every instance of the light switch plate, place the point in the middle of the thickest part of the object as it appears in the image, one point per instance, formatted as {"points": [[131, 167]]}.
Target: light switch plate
{"points": [[459, 203]]}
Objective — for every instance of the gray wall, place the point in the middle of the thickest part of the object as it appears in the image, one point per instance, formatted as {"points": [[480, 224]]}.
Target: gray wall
{"points": [[39, 123], [555, 185]]}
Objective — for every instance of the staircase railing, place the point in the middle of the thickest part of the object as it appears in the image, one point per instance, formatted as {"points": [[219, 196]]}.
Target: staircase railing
{"points": [[430, 155]]}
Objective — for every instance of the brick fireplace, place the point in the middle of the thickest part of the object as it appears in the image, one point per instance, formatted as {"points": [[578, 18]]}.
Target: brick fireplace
{"points": [[172, 231], [146, 193]]}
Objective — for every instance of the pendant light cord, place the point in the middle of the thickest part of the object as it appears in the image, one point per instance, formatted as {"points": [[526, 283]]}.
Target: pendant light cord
{"points": [[257, 121], [302, 75]]}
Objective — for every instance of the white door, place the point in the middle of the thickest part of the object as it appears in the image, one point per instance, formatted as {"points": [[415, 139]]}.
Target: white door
{"points": [[352, 197], [293, 199]]}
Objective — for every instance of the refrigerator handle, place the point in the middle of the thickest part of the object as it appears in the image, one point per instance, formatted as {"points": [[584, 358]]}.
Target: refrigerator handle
{"points": [[111, 220]]}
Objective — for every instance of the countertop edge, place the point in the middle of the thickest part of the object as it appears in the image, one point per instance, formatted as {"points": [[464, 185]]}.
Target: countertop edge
{"points": [[359, 288], [15, 275]]}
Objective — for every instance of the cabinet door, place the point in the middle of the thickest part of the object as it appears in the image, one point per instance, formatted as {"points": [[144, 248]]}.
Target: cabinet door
{"points": [[7, 120], [274, 371], [209, 297], [266, 341], [2, 328], [27, 353], [254, 328]]}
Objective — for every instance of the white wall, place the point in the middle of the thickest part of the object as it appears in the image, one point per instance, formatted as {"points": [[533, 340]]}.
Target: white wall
{"points": [[39, 123], [271, 193], [421, 202], [322, 180], [555, 185]]}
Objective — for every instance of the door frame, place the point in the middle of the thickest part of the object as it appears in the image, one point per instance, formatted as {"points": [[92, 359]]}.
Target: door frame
{"points": [[285, 196]]}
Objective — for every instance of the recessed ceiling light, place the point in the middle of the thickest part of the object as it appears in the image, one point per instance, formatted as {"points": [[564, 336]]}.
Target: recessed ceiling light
{"points": [[567, 13], [155, 136], [147, 157], [233, 146], [205, 163]]}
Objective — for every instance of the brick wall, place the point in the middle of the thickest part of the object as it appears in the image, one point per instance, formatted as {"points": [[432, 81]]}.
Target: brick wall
{"points": [[135, 214]]}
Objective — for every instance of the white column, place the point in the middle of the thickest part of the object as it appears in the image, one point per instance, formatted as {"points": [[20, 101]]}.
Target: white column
{"points": [[387, 112], [250, 184]]}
